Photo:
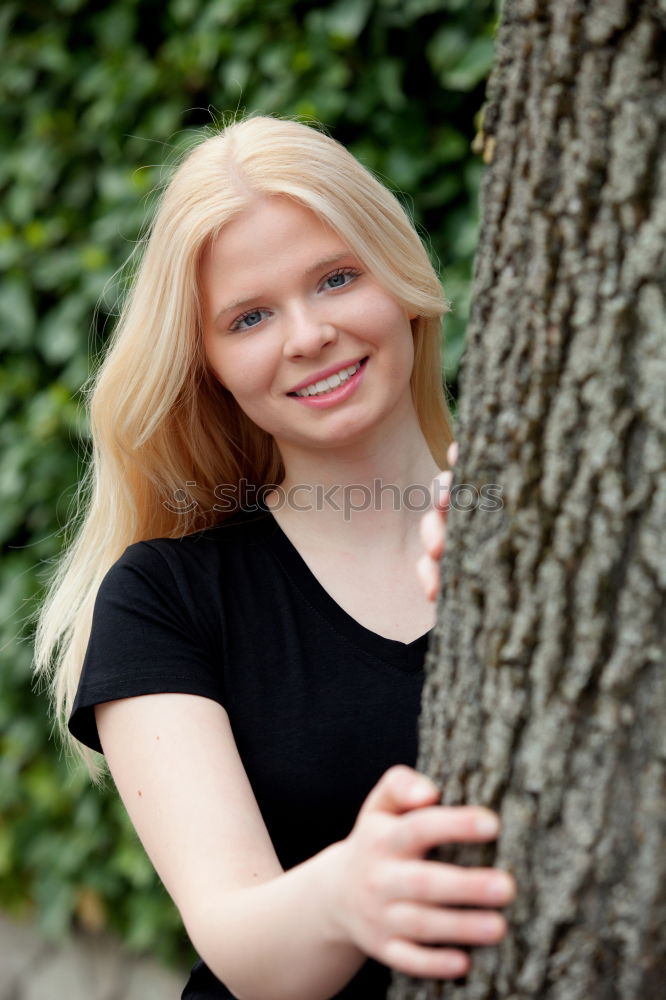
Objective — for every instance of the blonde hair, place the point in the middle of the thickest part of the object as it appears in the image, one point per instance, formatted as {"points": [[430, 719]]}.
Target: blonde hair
{"points": [[159, 418]]}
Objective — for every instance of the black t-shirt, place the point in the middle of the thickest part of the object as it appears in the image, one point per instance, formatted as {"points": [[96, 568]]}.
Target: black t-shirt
{"points": [[319, 705]]}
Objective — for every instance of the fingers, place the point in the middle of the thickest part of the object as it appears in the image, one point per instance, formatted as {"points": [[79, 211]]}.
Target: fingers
{"points": [[433, 536], [425, 963], [440, 491], [433, 529], [452, 454], [452, 885], [426, 828], [428, 574], [399, 790], [432, 533], [438, 925], [396, 904]]}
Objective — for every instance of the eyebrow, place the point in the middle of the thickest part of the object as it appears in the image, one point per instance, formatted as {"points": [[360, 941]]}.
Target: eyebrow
{"points": [[317, 266]]}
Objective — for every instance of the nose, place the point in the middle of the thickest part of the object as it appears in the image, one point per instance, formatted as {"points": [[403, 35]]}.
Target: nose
{"points": [[307, 332]]}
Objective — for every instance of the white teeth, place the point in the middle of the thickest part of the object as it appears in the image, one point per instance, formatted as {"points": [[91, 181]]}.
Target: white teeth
{"points": [[332, 382]]}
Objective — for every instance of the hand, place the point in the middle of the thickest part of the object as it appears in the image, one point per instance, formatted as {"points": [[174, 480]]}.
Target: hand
{"points": [[393, 904], [433, 528]]}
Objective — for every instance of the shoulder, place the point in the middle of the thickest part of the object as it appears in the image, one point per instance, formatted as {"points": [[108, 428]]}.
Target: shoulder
{"points": [[197, 555], [162, 617], [194, 578]]}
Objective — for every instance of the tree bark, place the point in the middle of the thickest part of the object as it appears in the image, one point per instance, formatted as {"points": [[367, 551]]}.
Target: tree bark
{"points": [[545, 695]]}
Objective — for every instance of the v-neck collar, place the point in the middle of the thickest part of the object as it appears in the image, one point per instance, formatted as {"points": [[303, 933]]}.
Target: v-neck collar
{"points": [[408, 656]]}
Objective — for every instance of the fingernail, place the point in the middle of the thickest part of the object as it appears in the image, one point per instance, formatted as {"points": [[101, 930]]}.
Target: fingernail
{"points": [[422, 790], [487, 824]]}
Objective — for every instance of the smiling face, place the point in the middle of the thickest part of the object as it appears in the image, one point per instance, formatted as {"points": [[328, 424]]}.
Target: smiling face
{"points": [[314, 350]]}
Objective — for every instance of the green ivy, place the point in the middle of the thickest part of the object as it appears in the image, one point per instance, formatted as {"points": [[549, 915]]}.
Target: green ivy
{"points": [[95, 99]]}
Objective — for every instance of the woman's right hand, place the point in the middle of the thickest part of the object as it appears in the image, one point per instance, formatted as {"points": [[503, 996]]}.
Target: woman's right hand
{"points": [[394, 904]]}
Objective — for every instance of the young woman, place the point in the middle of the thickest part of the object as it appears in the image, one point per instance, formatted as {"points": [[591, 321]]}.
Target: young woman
{"points": [[267, 423]]}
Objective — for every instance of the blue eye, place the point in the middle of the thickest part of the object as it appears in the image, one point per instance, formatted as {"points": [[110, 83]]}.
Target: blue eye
{"points": [[342, 277], [248, 319]]}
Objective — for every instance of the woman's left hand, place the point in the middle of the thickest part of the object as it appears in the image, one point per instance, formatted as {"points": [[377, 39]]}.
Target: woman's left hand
{"points": [[433, 528]]}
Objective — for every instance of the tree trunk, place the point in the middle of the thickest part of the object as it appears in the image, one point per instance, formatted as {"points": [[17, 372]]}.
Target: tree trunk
{"points": [[545, 695]]}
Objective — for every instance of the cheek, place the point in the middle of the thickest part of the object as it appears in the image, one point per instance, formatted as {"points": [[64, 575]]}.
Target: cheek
{"points": [[393, 331], [227, 368], [242, 371], [385, 316], [211, 353], [215, 365]]}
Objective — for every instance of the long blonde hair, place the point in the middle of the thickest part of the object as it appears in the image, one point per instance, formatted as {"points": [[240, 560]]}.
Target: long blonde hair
{"points": [[159, 418]]}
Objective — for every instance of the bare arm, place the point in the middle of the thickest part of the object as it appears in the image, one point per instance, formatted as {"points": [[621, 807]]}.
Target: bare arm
{"points": [[262, 932], [301, 934]]}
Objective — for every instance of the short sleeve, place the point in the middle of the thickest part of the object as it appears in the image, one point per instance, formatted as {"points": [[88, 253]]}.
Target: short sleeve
{"points": [[147, 637]]}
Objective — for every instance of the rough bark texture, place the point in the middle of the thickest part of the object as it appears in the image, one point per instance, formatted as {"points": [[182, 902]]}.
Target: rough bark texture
{"points": [[546, 688]]}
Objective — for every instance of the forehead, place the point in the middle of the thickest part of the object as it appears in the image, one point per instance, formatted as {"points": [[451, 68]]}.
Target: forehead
{"points": [[271, 243], [269, 230]]}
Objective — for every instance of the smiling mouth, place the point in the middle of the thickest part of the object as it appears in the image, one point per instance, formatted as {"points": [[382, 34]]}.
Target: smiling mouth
{"points": [[326, 385]]}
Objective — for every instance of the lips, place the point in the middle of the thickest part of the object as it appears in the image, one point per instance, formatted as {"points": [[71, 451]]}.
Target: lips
{"points": [[324, 374], [324, 399]]}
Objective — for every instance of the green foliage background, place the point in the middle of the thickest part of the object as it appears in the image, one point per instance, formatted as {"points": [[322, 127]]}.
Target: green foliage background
{"points": [[94, 99]]}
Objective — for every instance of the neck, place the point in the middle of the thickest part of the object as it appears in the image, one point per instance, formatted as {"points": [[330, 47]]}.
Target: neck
{"points": [[366, 494]]}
